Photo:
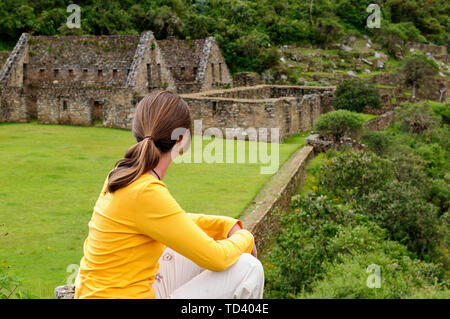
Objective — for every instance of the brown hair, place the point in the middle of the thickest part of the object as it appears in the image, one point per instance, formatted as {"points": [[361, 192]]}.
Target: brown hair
{"points": [[157, 116]]}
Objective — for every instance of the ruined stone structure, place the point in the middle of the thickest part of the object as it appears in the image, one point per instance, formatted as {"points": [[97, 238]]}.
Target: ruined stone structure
{"points": [[290, 108], [429, 48], [82, 80]]}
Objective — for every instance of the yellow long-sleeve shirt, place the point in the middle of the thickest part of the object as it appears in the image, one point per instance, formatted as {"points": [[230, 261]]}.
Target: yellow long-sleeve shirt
{"points": [[129, 231]]}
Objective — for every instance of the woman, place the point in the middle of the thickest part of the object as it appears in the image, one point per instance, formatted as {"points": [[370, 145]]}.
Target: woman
{"points": [[141, 244]]}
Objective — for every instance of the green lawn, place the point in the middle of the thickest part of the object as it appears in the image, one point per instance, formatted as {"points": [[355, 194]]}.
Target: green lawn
{"points": [[51, 176]]}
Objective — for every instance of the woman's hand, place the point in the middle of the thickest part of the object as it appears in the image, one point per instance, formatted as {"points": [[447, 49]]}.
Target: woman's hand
{"points": [[235, 228]]}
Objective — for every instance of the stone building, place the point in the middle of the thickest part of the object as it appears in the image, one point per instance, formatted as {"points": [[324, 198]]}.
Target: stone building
{"points": [[81, 79]]}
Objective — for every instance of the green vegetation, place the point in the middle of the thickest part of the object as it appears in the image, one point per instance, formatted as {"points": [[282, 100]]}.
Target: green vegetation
{"points": [[355, 95], [415, 71], [51, 178], [358, 209], [338, 124], [244, 28]]}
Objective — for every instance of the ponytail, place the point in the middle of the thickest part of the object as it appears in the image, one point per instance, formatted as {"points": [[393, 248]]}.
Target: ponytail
{"points": [[159, 114]]}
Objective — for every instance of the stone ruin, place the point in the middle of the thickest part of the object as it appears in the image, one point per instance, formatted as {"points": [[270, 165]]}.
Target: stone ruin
{"points": [[86, 80]]}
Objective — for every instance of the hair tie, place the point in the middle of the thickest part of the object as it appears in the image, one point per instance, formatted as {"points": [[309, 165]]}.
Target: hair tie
{"points": [[148, 136]]}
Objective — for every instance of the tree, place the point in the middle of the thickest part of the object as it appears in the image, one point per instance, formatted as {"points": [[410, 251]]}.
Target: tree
{"points": [[355, 95], [416, 70], [327, 30], [337, 124]]}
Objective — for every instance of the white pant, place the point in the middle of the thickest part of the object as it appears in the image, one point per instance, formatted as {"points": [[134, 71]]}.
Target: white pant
{"points": [[180, 278]]}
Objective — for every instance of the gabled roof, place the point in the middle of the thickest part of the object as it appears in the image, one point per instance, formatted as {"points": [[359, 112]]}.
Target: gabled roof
{"points": [[113, 50], [180, 54]]}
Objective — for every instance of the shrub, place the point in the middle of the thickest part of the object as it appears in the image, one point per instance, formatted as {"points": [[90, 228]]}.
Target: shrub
{"points": [[401, 209], [416, 70], [10, 285], [337, 124], [325, 248], [302, 245], [377, 141], [416, 117], [355, 95], [400, 276], [351, 174], [442, 110]]}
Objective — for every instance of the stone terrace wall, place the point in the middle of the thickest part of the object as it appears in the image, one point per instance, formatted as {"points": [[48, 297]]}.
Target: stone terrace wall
{"points": [[246, 79], [81, 106], [380, 122], [433, 49], [265, 91]]}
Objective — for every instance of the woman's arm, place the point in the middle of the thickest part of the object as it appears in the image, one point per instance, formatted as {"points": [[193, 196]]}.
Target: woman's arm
{"points": [[160, 217], [216, 227]]}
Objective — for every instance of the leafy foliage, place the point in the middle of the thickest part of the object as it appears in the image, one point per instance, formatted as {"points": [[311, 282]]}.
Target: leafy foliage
{"points": [[10, 285], [355, 95], [417, 117], [338, 124], [378, 141], [416, 70], [389, 209], [230, 21]]}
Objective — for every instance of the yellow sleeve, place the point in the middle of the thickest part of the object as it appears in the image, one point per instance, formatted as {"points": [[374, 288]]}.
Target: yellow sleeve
{"points": [[216, 227], [160, 217]]}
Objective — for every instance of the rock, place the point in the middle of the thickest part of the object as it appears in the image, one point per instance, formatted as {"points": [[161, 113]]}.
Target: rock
{"points": [[366, 61], [65, 292], [284, 77], [380, 55], [346, 48], [351, 73], [282, 59], [317, 143]]}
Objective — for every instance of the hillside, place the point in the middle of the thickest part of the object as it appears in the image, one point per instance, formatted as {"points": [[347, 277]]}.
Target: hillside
{"points": [[247, 31]]}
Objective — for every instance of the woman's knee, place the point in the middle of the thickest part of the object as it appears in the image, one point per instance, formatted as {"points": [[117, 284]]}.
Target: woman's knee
{"points": [[252, 264]]}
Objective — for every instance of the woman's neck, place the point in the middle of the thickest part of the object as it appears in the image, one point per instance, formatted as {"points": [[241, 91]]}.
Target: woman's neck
{"points": [[162, 166]]}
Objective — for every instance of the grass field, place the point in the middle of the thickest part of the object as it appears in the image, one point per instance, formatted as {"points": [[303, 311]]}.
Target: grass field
{"points": [[50, 178]]}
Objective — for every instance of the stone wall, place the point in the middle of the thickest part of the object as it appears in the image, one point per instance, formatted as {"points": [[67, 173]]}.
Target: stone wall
{"points": [[13, 105], [444, 58], [213, 71], [81, 106], [380, 122], [11, 73], [260, 217], [246, 79], [291, 109], [430, 48]]}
